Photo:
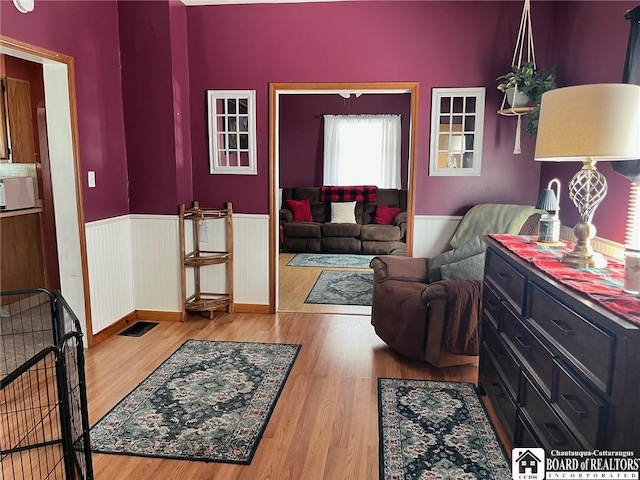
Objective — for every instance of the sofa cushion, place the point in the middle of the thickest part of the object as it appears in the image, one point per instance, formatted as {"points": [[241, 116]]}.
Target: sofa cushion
{"points": [[318, 208], [380, 233], [343, 212], [340, 230], [302, 230], [300, 209], [469, 249], [385, 215], [340, 244]]}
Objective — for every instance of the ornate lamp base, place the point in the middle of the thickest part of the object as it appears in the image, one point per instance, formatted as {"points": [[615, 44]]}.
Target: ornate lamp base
{"points": [[583, 256]]}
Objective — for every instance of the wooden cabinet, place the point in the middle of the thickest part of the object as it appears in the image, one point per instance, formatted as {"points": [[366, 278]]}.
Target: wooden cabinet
{"points": [[560, 370], [195, 259]]}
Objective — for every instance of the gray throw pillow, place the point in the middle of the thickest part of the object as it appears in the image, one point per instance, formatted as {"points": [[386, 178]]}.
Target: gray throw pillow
{"points": [[469, 249], [471, 268]]}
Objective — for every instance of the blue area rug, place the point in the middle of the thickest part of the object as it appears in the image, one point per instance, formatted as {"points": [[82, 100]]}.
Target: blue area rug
{"points": [[431, 429], [342, 288], [208, 401], [330, 260]]}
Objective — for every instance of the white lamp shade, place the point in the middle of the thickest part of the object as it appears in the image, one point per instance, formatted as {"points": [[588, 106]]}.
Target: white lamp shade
{"points": [[589, 121]]}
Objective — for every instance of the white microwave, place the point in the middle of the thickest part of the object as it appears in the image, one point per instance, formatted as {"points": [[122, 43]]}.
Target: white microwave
{"points": [[16, 193]]}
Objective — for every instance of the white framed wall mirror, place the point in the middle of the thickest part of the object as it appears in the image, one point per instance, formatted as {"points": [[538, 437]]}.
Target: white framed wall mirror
{"points": [[457, 121]]}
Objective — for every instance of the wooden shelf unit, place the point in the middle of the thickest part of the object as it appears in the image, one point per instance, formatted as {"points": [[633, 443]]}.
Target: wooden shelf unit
{"points": [[192, 262]]}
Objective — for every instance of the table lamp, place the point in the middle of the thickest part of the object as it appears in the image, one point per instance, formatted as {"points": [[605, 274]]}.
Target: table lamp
{"points": [[549, 224], [588, 123]]}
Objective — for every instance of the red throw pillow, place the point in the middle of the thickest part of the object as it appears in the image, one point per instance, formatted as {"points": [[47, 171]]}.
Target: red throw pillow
{"points": [[301, 210], [385, 215]]}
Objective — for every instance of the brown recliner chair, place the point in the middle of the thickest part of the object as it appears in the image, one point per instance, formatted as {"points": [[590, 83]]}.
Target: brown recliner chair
{"points": [[430, 309]]}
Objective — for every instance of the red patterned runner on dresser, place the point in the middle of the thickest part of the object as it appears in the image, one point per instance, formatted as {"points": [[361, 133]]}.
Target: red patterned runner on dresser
{"points": [[604, 285], [359, 193]]}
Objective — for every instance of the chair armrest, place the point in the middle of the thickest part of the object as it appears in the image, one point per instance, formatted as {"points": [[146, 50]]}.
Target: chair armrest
{"points": [[391, 267], [285, 216], [438, 290]]}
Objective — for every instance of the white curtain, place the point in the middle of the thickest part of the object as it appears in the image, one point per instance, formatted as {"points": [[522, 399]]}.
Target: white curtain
{"points": [[362, 150]]}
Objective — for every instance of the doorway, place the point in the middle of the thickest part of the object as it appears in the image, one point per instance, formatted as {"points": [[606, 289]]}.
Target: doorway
{"points": [[62, 136], [276, 91]]}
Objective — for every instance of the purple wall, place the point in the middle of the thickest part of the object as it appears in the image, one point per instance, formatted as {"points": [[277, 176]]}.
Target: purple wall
{"points": [[147, 91], [367, 41], [302, 134], [594, 39], [87, 31]]}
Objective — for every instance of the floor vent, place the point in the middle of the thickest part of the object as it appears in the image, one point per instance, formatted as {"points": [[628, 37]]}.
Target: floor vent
{"points": [[138, 329]]}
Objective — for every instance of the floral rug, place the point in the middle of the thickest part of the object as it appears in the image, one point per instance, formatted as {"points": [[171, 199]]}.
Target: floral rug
{"points": [[431, 429], [342, 288], [330, 260], [208, 401]]}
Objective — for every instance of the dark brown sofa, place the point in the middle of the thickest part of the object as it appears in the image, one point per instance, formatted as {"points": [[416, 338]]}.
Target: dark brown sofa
{"points": [[363, 237]]}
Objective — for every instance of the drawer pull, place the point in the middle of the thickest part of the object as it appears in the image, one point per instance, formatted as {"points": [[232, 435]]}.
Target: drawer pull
{"points": [[497, 389], [492, 304], [504, 276], [554, 434], [575, 404], [521, 341], [568, 331]]}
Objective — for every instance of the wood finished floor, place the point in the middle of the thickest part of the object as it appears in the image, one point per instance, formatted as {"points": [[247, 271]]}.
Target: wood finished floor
{"points": [[325, 424], [297, 282]]}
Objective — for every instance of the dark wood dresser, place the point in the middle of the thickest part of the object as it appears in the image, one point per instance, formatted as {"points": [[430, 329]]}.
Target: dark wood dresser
{"points": [[562, 372]]}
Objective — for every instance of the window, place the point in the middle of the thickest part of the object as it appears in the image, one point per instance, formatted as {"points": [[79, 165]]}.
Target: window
{"points": [[232, 131], [457, 118], [362, 150]]}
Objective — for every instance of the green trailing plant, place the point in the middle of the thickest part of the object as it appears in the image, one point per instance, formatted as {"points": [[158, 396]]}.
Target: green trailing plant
{"points": [[532, 82]]}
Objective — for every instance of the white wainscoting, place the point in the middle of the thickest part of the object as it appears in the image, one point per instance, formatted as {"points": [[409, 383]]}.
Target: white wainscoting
{"points": [[602, 245], [432, 234], [109, 259], [134, 264], [156, 262]]}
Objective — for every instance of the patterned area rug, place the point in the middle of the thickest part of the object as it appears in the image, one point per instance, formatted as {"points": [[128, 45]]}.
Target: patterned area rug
{"points": [[208, 401], [330, 260], [432, 429], [342, 288]]}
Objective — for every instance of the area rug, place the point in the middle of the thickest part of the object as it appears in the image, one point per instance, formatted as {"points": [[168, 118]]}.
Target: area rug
{"points": [[431, 429], [208, 401], [330, 260], [342, 288]]}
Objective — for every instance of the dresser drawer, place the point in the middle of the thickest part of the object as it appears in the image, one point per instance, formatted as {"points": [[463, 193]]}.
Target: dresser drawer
{"points": [[505, 361], [490, 304], [582, 408], [498, 393], [507, 279], [588, 346], [549, 429], [536, 357], [524, 435]]}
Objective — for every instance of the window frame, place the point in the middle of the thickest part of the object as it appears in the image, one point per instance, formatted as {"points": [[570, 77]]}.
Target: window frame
{"points": [[478, 93], [217, 152]]}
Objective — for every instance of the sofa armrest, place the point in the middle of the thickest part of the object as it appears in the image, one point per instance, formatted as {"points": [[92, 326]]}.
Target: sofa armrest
{"points": [[401, 221], [407, 269], [285, 216]]}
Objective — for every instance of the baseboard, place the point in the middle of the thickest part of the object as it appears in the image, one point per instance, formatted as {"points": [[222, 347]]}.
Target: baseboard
{"points": [[114, 328], [158, 316], [250, 308]]}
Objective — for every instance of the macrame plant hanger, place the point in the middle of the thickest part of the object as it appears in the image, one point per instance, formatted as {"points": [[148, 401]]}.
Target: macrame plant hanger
{"points": [[524, 40]]}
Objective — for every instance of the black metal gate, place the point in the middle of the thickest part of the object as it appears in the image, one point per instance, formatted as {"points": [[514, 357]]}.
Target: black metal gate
{"points": [[44, 424]]}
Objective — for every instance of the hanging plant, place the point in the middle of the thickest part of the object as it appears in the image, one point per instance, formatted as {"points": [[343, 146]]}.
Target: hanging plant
{"points": [[532, 82]]}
